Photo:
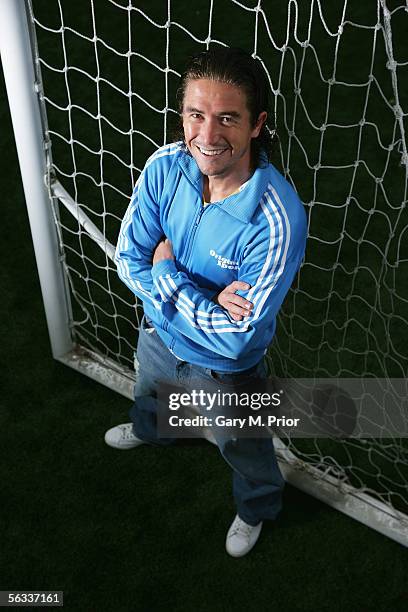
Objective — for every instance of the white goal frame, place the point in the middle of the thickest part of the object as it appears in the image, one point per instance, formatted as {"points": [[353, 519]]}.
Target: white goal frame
{"points": [[44, 195]]}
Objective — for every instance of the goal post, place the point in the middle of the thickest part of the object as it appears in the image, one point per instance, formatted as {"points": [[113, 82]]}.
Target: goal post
{"points": [[23, 86], [105, 105]]}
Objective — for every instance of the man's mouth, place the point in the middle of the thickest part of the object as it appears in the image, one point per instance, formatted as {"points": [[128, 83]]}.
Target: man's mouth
{"points": [[211, 152]]}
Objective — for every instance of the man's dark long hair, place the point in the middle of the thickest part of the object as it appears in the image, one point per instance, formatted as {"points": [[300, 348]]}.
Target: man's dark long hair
{"points": [[235, 67]]}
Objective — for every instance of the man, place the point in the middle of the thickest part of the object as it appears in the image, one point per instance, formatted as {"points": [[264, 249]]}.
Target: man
{"points": [[211, 242]]}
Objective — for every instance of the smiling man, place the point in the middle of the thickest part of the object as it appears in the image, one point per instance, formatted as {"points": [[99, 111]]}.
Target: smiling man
{"points": [[211, 242]]}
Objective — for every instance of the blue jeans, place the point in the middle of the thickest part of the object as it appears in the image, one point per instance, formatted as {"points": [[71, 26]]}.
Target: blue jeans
{"points": [[257, 480]]}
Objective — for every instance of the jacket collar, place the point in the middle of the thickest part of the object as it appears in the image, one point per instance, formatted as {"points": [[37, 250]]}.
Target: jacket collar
{"points": [[241, 205]]}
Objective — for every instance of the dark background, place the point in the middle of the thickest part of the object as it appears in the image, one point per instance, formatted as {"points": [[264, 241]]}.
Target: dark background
{"points": [[143, 530]]}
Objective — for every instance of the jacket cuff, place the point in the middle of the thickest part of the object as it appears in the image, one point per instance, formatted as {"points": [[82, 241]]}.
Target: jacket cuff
{"points": [[165, 266]]}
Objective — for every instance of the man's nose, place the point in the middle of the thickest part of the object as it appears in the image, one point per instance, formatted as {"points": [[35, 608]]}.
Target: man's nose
{"points": [[210, 132]]}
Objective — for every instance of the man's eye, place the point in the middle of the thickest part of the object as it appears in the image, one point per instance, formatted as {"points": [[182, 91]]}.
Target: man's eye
{"points": [[226, 120], [195, 116]]}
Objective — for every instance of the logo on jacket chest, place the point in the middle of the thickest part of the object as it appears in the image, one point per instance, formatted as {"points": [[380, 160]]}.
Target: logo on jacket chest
{"points": [[224, 262]]}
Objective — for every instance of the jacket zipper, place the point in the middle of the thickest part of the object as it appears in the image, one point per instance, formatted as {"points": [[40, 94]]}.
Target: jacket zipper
{"points": [[192, 235]]}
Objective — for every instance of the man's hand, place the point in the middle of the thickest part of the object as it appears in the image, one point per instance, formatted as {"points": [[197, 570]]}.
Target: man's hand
{"points": [[164, 250], [237, 306]]}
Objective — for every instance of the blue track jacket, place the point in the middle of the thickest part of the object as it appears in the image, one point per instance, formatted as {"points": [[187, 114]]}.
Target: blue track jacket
{"points": [[257, 236]]}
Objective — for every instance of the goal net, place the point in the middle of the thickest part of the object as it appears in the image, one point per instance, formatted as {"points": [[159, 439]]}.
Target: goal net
{"points": [[107, 76]]}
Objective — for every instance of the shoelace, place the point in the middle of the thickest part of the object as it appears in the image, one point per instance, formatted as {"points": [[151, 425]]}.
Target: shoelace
{"points": [[127, 432], [242, 528]]}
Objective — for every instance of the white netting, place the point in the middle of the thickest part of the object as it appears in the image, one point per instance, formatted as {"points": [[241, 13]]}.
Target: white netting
{"points": [[337, 73]]}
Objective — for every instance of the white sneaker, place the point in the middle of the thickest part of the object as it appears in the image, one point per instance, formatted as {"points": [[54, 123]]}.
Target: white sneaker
{"points": [[241, 537], [122, 437]]}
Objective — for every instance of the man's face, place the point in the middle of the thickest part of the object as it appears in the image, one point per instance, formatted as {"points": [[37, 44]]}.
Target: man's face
{"points": [[217, 128]]}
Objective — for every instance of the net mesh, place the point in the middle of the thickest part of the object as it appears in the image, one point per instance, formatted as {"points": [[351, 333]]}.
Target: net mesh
{"points": [[110, 72]]}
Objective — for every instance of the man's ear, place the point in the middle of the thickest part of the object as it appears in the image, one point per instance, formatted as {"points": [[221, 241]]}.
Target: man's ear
{"points": [[259, 123]]}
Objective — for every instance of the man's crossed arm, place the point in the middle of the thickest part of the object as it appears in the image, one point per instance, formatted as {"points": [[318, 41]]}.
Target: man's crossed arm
{"points": [[237, 306]]}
